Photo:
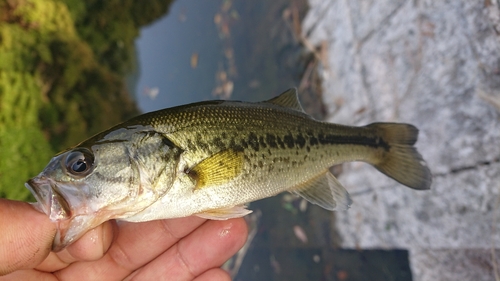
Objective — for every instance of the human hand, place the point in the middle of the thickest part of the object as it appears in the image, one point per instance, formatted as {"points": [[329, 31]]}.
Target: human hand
{"points": [[178, 249]]}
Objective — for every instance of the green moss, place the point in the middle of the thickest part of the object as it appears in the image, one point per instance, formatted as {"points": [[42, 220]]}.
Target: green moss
{"points": [[62, 67], [24, 154], [24, 149]]}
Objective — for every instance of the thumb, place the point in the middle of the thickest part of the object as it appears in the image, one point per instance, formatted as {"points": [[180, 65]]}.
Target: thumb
{"points": [[26, 236]]}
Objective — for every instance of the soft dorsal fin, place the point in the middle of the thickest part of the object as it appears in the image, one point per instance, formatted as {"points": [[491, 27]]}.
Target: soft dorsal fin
{"points": [[288, 99], [326, 191]]}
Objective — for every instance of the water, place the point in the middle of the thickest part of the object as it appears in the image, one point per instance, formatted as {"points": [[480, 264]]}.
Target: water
{"points": [[164, 53], [202, 48]]}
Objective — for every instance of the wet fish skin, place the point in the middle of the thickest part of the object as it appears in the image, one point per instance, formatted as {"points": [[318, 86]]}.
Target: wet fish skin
{"points": [[210, 158]]}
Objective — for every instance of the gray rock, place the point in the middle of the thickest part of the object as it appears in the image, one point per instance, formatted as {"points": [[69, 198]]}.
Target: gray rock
{"points": [[435, 64], [466, 264]]}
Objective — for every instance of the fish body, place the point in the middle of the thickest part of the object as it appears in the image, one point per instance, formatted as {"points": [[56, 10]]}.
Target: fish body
{"points": [[210, 158]]}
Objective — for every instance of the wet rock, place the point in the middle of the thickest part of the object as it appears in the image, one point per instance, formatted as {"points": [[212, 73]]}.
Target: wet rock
{"points": [[435, 64], [454, 264]]}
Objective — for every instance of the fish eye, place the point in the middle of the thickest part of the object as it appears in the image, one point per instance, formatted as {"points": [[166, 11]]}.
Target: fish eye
{"points": [[79, 162]]}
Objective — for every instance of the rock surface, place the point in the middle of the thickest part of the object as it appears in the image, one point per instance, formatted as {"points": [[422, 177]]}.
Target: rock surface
{"points": [[435, 64]]}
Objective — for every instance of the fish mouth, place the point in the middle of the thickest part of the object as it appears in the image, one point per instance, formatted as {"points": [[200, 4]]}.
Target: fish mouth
{"points": [[71, 222], [49, 198]]}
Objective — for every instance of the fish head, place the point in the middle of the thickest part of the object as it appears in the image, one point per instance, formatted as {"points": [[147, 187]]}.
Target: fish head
{"points": [[86, 186]]}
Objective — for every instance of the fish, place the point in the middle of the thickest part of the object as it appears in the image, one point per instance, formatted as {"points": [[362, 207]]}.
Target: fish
{"points": [[210, 158]]}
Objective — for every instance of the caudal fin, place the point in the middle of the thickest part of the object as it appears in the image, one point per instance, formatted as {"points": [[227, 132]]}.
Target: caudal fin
{"points": [[402, 161]]}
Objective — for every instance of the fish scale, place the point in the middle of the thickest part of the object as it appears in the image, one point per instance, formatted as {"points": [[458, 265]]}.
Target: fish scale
{"points": [[211, 158]]}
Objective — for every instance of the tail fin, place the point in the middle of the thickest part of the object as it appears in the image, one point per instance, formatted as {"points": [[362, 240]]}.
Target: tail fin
{"points": [[402, 161]]}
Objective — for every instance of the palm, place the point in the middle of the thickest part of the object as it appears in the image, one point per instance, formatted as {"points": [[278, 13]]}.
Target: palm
{"points": [[178, 249]]}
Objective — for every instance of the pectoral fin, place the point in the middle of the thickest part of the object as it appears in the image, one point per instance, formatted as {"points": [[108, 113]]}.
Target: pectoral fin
{"points": [[325, 191], [217, 169], [225, 213]]}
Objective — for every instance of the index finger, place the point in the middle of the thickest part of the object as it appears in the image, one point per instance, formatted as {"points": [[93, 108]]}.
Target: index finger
{"points": [[26, 238]]}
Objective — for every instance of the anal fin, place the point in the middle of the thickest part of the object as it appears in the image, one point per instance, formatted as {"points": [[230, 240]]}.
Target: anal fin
{"points": [[325, 191], [225, 213]]}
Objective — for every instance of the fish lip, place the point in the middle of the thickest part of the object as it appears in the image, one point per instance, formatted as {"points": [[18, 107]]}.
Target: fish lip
{"points": [[40, 194], [51, 200]]}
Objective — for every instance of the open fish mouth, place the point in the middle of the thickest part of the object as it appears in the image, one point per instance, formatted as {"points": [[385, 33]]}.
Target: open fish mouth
{"points": [[70, 220], [50, 199]]}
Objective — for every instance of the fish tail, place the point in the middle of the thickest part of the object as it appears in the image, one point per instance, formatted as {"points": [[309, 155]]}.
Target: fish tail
{"points": [[401, 160]]}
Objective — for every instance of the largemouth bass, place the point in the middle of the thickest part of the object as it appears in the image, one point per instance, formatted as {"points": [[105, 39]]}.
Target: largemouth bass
{"points": [[209, 159]]}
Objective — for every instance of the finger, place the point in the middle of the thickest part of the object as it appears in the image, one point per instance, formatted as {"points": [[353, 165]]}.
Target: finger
{"points": [[214, 274], [26, 238], [209, 246], [135, 245], [28, 275], [91, 246]]}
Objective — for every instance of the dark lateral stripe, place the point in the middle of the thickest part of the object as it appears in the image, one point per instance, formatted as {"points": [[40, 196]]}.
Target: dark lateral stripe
{"points": [[271, 140], [300, 140], [289, 141], [375, 142], [254, 142]]}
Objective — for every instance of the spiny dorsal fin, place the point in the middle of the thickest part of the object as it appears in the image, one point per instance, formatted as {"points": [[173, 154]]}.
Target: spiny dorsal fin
{"points": [[325, 191], [288, 99], [217, 169]]}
